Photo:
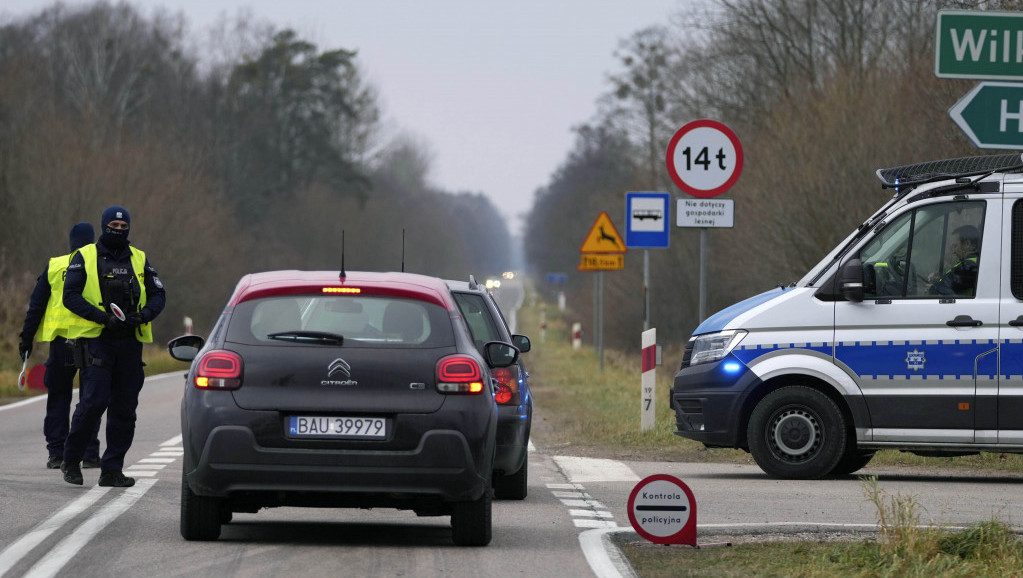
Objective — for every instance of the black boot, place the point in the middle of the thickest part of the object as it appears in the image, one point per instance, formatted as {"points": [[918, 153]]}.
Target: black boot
{"points": [[72, 473], [115, 479]]}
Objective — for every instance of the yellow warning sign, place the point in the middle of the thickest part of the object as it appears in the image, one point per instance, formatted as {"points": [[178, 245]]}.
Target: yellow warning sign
{"points": [[603, 237], [601, 262]]}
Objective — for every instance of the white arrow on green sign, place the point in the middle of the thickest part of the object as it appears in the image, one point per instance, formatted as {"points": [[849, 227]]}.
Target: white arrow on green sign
{"points": [[991, 115]]}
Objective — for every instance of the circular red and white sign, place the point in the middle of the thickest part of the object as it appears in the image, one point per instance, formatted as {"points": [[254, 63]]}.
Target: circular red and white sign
{"points": [[704, 158], [662, 509]]}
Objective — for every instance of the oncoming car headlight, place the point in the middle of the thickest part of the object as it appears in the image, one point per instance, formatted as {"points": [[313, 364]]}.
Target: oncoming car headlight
{"points": [[714, 346]]}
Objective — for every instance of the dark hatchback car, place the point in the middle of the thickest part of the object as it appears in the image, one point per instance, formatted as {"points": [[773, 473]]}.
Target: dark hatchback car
{"points": [[356, 391], [514, 400]]}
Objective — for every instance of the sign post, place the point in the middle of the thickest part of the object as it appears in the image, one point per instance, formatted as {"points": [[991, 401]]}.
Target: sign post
{"points": [[602, 250], [646, 227], [704, 159]]}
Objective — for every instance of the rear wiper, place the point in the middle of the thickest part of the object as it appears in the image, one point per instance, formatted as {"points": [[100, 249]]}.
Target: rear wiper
{"points": [[309, 336]]}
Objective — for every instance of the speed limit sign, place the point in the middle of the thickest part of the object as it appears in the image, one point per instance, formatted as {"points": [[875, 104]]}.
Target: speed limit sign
{"points": [[704, 158]]}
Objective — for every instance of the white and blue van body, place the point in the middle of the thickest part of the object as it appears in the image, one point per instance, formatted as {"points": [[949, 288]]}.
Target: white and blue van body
{"points": [[908, 335]]}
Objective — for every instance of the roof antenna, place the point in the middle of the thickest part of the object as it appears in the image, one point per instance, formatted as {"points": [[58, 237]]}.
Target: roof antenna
{"points": [[343, 274], [403, 250]]}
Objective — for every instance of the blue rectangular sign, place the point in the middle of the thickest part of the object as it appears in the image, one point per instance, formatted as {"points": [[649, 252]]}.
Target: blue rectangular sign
{"points": [[647, 218]]}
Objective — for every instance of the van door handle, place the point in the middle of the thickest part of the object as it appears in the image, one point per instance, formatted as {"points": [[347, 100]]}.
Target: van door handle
{"points": [[964, 321], [1017, 322]]}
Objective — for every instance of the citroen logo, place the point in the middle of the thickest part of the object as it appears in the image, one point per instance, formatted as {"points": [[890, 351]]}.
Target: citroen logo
{"points": [[339, 367]]}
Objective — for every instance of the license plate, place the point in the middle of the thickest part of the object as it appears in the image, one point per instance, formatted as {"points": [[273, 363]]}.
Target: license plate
{"points": [[337, 427]]}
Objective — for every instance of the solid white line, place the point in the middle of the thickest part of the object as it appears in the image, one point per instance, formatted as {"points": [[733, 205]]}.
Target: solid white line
{"points": [[70, 546], [16, 551], [22, 402], [604, 558]]}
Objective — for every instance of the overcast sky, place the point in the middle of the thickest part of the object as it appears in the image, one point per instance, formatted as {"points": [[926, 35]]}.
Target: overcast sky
{"points": [[494, 88]]}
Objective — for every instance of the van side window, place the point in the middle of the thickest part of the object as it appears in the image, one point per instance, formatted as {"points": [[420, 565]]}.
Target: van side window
{"points": [[1017, 250], [930, 252]]}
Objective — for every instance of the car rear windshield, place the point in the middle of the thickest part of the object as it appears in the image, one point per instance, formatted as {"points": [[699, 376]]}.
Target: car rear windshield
{"points": [[362, 321]]}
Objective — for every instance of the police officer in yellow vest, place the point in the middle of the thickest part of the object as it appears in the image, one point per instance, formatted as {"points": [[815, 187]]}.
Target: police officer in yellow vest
{"points": [[47, 321], [115, 294]]}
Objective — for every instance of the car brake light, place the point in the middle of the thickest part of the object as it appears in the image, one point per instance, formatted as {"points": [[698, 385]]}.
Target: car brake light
{"points": [[219, 370], [507, 379], [459, 374]]}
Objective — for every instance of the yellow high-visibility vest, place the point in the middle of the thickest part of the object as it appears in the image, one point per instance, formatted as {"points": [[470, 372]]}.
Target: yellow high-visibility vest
{"points": [[56, 318], [82, 327]]}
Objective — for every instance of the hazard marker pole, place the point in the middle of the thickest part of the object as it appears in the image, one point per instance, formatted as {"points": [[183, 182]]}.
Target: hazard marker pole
{"points": [[649, 380], [577, 336]]}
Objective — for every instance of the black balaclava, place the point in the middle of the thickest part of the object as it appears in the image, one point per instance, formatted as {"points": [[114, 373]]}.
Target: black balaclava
{"points": [[114, 238], [82, 234]]}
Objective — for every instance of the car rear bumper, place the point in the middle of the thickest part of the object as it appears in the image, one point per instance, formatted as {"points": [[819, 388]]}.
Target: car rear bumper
{"points": [[513, 423], [442, 466]]}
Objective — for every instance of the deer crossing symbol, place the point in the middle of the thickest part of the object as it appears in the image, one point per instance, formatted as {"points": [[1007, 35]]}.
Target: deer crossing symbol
{"points": [[605, 237]]}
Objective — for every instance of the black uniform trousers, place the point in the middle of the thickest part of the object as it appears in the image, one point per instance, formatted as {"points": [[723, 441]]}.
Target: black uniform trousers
{"points": [[59, 380], [111, 381]]}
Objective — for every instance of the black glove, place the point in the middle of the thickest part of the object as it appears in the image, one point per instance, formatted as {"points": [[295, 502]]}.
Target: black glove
{"points": [[112, 322], [24, 349], [135, 319]]}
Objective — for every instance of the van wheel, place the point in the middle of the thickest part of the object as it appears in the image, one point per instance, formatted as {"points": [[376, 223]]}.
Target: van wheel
{"points": [[200, 515], [471, 521], [797, 432], [852, 462]]}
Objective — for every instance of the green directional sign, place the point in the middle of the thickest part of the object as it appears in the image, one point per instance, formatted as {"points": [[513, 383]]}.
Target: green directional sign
{"points": [[991, 115], [979, 44]]}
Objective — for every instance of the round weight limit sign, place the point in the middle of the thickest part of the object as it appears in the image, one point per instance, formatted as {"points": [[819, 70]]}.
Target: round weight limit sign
{"points": [[662, 509], [704, 158]]}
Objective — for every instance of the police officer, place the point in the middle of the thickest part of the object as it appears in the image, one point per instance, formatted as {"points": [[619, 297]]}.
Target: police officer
{"points": [[47, 321], [961, 279], [115, 294]]}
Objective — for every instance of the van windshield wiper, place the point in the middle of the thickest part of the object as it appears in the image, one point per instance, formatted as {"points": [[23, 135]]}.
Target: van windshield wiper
{"points": [[309, 337]]}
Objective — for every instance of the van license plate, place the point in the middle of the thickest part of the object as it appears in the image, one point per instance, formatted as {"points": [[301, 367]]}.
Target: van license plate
{"points": [[337, 427]]}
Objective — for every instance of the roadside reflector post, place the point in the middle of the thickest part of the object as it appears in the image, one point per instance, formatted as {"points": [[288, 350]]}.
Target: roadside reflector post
{"points": [[577, 336], [648, 383], [188, 325], [561, 301], [543, 323]]}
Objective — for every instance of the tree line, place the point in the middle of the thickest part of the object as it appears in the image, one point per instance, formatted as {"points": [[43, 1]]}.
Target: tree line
{"points": [[260, 154], [821, 93]]}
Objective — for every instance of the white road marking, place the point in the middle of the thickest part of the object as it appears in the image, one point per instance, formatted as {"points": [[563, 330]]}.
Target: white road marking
{"points": [[604, 558], [174, 441], [581, 470], [22, 546], [64, 551]]}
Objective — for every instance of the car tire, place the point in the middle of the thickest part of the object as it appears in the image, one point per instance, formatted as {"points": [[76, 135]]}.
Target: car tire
{"points": [[852, 461], [200, 515], [515, 486], [798, 433], [471, 521]]}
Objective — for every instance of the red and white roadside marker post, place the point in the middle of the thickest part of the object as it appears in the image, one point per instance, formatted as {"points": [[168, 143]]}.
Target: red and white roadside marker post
{"points": [[577, 336], [648, 384]]}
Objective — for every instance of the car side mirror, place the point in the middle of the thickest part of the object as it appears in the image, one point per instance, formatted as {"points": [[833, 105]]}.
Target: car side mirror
{"points": [[521, 342], [850, 281], [500, 354], [186, 347]]}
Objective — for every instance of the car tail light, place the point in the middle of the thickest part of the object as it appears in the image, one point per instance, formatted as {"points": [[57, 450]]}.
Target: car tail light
{"points": [[219, 370], [459, 374], [508, 383]]}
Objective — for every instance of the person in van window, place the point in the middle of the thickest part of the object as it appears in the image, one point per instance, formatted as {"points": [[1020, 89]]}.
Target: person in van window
{"points": [[961, 279]]}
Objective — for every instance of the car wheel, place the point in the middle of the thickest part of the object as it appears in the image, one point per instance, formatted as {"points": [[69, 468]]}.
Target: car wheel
{"points": [[515, 486], [200, 515], [470, 521], [797, 432], [852, 461]]}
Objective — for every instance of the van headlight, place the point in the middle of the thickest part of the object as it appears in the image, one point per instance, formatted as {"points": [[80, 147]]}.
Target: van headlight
{"points": [[714, 346]]}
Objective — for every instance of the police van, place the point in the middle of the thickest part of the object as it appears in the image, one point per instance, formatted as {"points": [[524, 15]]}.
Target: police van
{"points": [[908, 336]]}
